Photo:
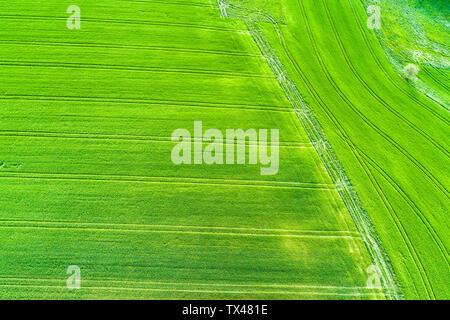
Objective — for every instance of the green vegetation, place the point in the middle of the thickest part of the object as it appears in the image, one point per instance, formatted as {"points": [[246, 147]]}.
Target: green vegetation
{"points": [[87, 179], [416, 31], [85, 143], [390, 139]]}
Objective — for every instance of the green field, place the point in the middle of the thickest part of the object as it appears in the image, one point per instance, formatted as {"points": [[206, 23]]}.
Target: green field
{"points": [[85, 154], [417, 31], [391, 140]]}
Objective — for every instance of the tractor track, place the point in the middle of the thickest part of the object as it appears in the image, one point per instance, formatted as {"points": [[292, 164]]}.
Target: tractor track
{"points": [[436, 80], [413, 206], [96, 66], [130, 47], [422, 168], [125, 22], [372, 92]]}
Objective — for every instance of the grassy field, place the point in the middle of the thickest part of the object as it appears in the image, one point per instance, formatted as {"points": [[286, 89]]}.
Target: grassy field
{"points": [[87, 179], [391, 140], [417, 32]]}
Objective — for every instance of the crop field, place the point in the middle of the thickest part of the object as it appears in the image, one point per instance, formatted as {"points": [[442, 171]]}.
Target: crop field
{"points": [[86, 138], [392, 141]]}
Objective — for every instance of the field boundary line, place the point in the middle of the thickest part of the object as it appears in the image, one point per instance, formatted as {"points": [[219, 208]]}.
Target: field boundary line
{"points": [[323, 148]]}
